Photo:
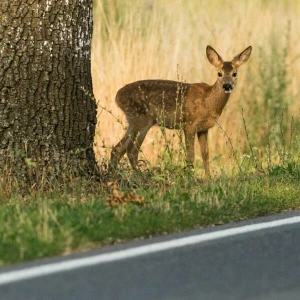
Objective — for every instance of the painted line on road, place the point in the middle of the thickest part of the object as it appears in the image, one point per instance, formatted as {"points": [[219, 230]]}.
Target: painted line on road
{"points": [[63, 266]]}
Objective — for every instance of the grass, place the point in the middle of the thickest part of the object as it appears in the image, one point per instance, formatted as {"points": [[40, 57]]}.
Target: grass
{"points": [[76, 217], [150, 39], [255, 149]]}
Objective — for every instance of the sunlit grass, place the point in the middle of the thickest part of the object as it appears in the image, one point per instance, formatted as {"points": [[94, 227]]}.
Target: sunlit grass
{"points": [[149, 39]]}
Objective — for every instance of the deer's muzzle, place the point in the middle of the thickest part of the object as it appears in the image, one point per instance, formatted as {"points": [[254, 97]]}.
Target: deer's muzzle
{"points": [[227, 87]]}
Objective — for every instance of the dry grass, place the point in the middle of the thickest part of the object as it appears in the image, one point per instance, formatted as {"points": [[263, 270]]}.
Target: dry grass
{"points": [[149, 39]]}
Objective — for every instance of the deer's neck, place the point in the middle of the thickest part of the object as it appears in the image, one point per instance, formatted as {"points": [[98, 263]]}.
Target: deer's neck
{"points": [[218, 98]]}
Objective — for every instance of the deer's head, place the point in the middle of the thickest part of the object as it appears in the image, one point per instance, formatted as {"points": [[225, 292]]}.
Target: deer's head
{"points": [[227, 70]]}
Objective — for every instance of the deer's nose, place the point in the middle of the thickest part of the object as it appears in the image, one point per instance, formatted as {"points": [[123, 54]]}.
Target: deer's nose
{"points": [[227, 87]]}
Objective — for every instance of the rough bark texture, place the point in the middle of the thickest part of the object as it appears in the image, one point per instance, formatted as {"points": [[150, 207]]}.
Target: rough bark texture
{"points": [[44, 61]]}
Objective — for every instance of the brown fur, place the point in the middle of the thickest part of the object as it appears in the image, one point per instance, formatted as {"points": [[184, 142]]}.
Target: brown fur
{"points": [[193, 107]]}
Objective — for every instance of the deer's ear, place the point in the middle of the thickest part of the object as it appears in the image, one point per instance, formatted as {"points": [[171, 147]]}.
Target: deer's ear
{"points": [[242, 57], [214, 58]]}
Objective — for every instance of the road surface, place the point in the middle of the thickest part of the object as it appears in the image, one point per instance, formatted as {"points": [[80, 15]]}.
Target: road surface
{"points": [[256, 259]]}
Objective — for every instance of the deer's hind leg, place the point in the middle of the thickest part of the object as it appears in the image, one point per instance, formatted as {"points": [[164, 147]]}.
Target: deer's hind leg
{"points": [[133, 149], [120, 149], [189, 134]]}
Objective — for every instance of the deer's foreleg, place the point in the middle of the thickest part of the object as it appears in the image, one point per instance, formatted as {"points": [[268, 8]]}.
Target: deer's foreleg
{"points": [[203, 142]]}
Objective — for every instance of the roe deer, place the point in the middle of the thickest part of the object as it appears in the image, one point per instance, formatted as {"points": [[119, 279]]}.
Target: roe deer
{"points": [[195, 107]]}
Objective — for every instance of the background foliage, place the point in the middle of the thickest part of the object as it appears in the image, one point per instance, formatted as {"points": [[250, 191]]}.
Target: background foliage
{"points": [[149, 39]]}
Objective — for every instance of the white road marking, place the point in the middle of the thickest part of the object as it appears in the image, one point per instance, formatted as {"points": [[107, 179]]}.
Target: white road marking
{"points": [[63, 266]]}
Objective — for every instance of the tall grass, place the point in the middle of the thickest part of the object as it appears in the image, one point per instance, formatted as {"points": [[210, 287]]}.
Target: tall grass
{"points": [[149, 39]]}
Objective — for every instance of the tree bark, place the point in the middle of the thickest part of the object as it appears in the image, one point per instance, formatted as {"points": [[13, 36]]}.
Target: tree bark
{"points": [[45, 58]]}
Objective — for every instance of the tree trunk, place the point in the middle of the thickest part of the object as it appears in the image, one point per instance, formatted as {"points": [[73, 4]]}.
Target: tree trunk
{"points": [[46, 119]]}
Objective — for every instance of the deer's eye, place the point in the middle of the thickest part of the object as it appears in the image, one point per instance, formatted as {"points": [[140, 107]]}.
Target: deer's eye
{"points": [[234, 74], [219, 74]]}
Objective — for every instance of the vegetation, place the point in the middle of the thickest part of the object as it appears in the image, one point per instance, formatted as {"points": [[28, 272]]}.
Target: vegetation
{"points": [[150, 39], [75, 214], [78, 216], [255, 157]]}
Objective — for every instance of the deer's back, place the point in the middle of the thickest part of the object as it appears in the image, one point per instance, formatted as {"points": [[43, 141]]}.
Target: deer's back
{"points": [[161, 99]]}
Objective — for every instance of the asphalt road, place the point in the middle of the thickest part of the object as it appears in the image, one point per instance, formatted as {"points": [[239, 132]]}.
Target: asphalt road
{"points": [[262, 264]]}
